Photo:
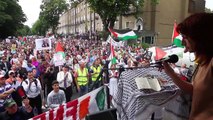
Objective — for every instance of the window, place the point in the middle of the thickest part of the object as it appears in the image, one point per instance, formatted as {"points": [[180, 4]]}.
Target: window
{"points": [[191, 8], [148, 39], [196, 6], [127, 24]]}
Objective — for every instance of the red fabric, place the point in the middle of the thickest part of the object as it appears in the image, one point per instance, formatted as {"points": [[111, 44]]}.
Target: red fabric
{"points": [[175, 33], [84, 108], [58, 47], [183, 78], [114, 33], [159, 53]]}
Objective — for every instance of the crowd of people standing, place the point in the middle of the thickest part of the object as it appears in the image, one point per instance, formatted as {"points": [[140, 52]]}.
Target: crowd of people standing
{"points": [[48, 85]]}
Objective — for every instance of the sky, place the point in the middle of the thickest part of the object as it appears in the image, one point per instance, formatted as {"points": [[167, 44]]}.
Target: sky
{"points": [[32, 9]]}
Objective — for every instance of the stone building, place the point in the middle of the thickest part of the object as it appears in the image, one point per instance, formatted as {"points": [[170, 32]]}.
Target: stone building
{"points": [[155, 22]]}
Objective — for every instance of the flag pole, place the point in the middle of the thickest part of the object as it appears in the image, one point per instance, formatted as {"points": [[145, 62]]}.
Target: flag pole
{"points": [[173, 32]]}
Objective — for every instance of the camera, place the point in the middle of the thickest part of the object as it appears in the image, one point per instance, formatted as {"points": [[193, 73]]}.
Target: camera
{"points": [[51, 69]]}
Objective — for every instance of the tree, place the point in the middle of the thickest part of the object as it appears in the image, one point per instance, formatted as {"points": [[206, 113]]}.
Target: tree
{"points": [[24, 31], [11, 18], [39, 27], [208, 10], [51, 11], [109, 10]]}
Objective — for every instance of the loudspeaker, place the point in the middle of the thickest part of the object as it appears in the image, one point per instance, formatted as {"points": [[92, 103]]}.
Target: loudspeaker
{"points": [[109, 114]]}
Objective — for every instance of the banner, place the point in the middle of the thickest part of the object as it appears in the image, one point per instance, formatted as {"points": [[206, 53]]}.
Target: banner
{"points": [[77, 109], [114, 43], [58, 59], [43, 44], [13, 48]]}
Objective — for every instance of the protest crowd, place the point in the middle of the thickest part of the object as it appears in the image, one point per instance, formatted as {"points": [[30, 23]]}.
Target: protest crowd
{"points": [[30, 80]]}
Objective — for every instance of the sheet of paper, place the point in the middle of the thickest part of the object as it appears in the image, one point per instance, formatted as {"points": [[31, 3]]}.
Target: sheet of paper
{"points": [[154, 84], [147, 83], [142, 83]]}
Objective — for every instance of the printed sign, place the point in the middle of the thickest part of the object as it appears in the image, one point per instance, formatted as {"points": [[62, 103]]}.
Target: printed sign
{"points": [[43, 44]]}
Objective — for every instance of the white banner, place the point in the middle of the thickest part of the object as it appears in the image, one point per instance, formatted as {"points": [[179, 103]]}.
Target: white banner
{"points": [[77, 109], [58, 59], [43, 44], [114, 43]]}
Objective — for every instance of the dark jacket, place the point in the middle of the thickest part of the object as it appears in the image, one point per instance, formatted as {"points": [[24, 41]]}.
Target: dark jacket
{"points": [[3, 66], [21, 114]]}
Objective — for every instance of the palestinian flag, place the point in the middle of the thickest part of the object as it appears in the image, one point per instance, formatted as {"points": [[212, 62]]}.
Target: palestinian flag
{"points": [[126, 36], [59, 49], [176, 37], [112, 54], [159, 53]]}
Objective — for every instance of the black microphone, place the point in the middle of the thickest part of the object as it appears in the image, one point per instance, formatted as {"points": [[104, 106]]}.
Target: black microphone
{"points": [[170, 59]]}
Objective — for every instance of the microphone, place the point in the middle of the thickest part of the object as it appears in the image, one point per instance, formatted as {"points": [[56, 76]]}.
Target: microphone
{"points": [[170, 59]]}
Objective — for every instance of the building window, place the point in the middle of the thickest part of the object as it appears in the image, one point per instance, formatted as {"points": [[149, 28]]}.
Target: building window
{"points": [[148, 39], [196, 6], [127, 24], [192, 5]]}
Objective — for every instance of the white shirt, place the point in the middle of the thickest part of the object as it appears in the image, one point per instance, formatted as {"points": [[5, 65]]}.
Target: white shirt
{"points": [[32, 90], [14, 60], [60, 79], [54, 99]]}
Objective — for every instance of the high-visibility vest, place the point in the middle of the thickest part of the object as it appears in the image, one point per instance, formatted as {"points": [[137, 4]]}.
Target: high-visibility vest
{"points": [[82, 77], [96, 71]]}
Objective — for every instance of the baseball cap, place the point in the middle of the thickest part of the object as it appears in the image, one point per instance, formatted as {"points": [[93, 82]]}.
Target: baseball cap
{"points": [[2, 74], [9, 103], [10, 72]]}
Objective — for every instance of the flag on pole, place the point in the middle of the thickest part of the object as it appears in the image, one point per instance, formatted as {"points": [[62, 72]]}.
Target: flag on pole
{"points": [[176, 37], [126, 36], [112, 55]]}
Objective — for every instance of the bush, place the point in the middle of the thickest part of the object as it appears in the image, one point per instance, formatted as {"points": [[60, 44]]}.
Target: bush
{"points": [[145, 45]]}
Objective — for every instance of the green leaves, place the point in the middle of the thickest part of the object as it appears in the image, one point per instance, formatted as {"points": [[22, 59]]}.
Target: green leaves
{"points": [[51, 11], [11, 18], [109, 10]]}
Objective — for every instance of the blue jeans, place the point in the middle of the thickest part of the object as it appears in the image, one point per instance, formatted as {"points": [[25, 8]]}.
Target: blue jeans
{"points": [[83, 89]]}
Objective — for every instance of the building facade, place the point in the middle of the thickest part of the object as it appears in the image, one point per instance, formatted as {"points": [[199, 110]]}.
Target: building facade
{"points": [[79, 19], [155, 22]]}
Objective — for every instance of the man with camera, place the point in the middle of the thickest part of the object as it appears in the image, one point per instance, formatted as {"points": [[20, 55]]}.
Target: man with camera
{"points": [[49, 76], [32, 88]]}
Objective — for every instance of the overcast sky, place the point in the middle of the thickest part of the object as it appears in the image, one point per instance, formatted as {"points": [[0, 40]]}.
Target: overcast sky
{"points": [[32, 9]]}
